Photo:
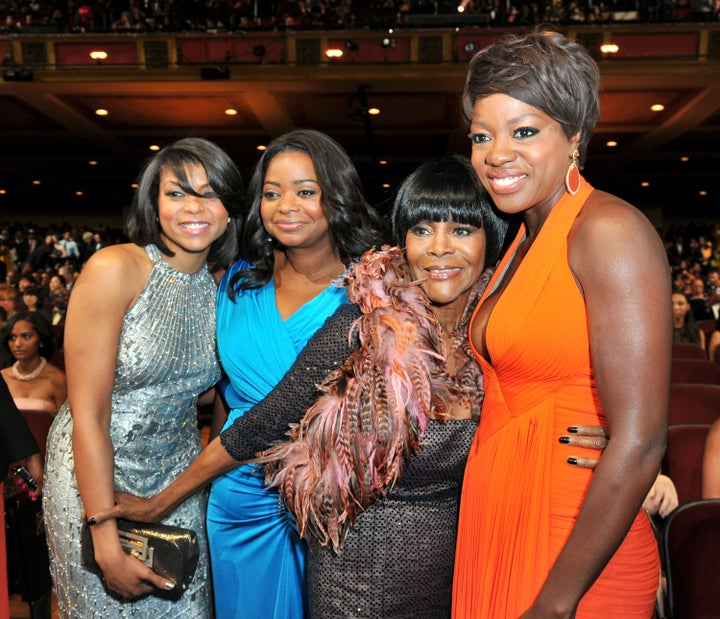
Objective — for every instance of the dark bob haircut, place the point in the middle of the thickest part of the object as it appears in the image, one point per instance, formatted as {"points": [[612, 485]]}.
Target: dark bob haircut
{"points": [[223, 176], [544, 70], [354, 225], [448, 189], [42, 328]]}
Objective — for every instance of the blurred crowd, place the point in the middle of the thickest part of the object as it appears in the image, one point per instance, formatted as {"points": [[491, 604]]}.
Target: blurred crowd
{"points": [[38, 268], [61, 16]]}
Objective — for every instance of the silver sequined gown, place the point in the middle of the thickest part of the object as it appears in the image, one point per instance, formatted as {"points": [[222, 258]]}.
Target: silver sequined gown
{"points": [[166, 357]]}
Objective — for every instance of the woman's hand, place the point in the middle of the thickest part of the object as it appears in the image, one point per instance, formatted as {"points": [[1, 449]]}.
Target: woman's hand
{"points": [[662, 498], [130, 507], [591, 437], [124, 574]]}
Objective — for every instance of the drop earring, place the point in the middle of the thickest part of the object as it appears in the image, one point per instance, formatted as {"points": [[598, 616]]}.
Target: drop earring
{"points": [[572, 176]]}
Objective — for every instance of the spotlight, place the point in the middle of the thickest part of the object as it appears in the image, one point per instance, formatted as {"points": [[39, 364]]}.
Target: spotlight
{"points": [[469, 47], [215, 73], [386, 42], [17, 75]]}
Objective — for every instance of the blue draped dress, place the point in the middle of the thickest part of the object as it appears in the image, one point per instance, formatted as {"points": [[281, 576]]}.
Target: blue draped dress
{"points": [[257, 557]]}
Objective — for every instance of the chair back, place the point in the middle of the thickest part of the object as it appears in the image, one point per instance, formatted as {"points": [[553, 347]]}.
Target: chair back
{"points": [[683, 459], [688, 351], [692, 560], [695, 371], [39, 422], [707, 327], [693, 403]]}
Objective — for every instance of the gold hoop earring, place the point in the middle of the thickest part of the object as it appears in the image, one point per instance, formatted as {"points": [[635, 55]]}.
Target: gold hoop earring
{"points": [[572, 176]]}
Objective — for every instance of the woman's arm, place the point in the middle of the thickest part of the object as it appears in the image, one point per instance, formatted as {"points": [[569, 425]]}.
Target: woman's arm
{"points": [[265, 423], [612, 248], [711, 464], [107, 288]]}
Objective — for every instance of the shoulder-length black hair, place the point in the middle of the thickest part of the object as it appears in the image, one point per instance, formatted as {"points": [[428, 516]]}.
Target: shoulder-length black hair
{"points": [[223, 176], [354, 225], [42, 328], [448, 189]]}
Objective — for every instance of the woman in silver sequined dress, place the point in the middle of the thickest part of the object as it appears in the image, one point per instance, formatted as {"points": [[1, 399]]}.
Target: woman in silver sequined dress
{"points": [[140, 349]]}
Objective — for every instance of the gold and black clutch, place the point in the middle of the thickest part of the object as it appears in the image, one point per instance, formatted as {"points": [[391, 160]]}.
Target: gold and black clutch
{"points": [[172, 552]]}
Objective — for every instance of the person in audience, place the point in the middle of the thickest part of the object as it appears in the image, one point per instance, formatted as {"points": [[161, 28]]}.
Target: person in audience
{"points": [[140, 349], [558, 333], [699, 300], [711, 463], [8, 298], [34, 298], [33, 382], [685, 329]]}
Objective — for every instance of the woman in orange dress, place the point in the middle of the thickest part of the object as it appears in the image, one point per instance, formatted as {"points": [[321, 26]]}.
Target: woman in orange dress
{"points": [[563, 337]]}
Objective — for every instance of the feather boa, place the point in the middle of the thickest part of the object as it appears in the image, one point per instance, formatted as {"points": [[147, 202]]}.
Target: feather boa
{"points": [[353, 443]]}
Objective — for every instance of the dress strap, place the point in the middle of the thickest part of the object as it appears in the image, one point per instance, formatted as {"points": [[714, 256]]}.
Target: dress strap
{"points": [[154, 253]]}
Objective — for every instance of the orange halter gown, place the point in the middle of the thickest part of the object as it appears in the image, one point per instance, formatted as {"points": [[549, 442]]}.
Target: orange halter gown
{"points": [[520, 498]]}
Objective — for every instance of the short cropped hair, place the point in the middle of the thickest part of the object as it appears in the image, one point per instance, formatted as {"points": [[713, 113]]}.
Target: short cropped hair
{"points": [[544, 70], [223, 176], [448, 189]]}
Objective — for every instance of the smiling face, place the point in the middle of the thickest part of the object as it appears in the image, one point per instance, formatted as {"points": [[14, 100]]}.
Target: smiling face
{"points": [[291, 205], [24, 341], [520, 154], [189, 223], [448, 258]]}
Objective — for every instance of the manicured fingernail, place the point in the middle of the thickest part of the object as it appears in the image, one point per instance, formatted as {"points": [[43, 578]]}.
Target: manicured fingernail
{"points": [[169, 584], [572, 429], [91, 522], [572, 460], [564, 439]]}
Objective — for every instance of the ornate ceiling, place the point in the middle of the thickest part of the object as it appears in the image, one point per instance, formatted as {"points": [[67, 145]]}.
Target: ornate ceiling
{"points": [[50, 133]]}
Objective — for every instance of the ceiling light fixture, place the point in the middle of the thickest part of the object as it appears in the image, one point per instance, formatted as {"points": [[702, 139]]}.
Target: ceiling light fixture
{"points": [[101, 112], [99, 55], [657, 107], [231, 111], [334, 52], [609, 49]]}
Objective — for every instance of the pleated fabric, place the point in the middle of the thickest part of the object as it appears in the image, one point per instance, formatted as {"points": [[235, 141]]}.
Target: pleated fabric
{"points": [[520, 498]]}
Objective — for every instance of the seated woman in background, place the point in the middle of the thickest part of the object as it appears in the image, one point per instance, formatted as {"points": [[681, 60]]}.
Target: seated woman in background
{"points": [[33, 382], [685, 329], [34, 298]]}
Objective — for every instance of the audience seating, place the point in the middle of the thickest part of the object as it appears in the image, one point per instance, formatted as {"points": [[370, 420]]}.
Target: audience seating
{"points": [[58, 359], [683, 459], [693, 403], [692, 560], [39, 422], [695, 371], [688, 351]]}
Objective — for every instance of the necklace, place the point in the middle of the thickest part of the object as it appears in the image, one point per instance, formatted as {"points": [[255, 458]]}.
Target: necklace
{"points": [[33, 375]]}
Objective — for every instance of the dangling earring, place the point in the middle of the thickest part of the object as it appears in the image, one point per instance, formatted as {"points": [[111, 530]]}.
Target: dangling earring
{"points": [[572, 177]]}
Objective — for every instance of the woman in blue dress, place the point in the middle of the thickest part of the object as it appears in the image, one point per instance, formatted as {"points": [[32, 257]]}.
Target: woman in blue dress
{"points": [[307, 220]]}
